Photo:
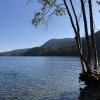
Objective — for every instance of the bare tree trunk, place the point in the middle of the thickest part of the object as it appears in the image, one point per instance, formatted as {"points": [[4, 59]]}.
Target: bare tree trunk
{"points": [[92, 35], [77, 39], [78, 33], [86, 30]]}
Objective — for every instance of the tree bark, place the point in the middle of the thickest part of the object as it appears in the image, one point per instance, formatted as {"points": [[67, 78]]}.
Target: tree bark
{"points": [[77, 38], [86, 30], [78, 35], [92, 35]]}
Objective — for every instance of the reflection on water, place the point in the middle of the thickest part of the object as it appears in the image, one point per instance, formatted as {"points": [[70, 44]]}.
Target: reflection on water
{"points": [[39, 78]]}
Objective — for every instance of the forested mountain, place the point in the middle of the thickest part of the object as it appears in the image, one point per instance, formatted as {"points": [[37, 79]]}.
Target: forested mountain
{"points": [[14, 52], [54, 47]]}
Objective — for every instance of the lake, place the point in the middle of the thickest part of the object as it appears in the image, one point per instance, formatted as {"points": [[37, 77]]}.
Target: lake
{"points": [[39, 78]]}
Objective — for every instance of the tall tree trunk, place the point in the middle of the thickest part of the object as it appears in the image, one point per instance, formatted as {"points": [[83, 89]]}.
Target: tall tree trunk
{"points": [[78, 35], [86, 30], [77, 38], [92, 35]]}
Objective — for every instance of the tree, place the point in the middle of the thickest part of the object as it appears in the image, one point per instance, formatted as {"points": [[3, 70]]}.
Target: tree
{"points": [[92, 35], [59, 8], [98, 2]]}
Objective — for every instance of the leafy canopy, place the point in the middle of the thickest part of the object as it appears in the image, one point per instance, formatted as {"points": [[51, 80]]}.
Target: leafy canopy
{"points": [[48, 8]]}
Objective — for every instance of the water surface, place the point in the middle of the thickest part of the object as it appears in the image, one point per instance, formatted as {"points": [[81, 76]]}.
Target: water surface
{"points": [[39, 78]]}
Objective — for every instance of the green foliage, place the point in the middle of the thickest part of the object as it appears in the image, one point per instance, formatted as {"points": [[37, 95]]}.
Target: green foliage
{"points": [[38, 18], [48, 9], [98, 2], [47, 3], [59, 11]]}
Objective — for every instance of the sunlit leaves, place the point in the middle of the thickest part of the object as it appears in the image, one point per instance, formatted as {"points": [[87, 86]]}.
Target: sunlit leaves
{"points": [[47, 3], [38, 19], [59, 11], [98, 2], [48, 8]]}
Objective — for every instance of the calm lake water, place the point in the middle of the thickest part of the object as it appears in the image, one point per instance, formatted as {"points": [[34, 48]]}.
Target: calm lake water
{"points": [[39, 78]]}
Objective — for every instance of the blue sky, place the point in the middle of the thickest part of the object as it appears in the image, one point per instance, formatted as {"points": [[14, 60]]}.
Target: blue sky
{"points": [[16, 30]]}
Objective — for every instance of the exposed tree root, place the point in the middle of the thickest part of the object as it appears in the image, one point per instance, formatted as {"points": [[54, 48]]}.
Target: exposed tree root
{"points": [[91, 78]]}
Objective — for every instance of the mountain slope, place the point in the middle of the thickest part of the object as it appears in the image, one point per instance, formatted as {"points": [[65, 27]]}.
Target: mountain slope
{"points": [[55, 47], [57, 43], [18, 52]]}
